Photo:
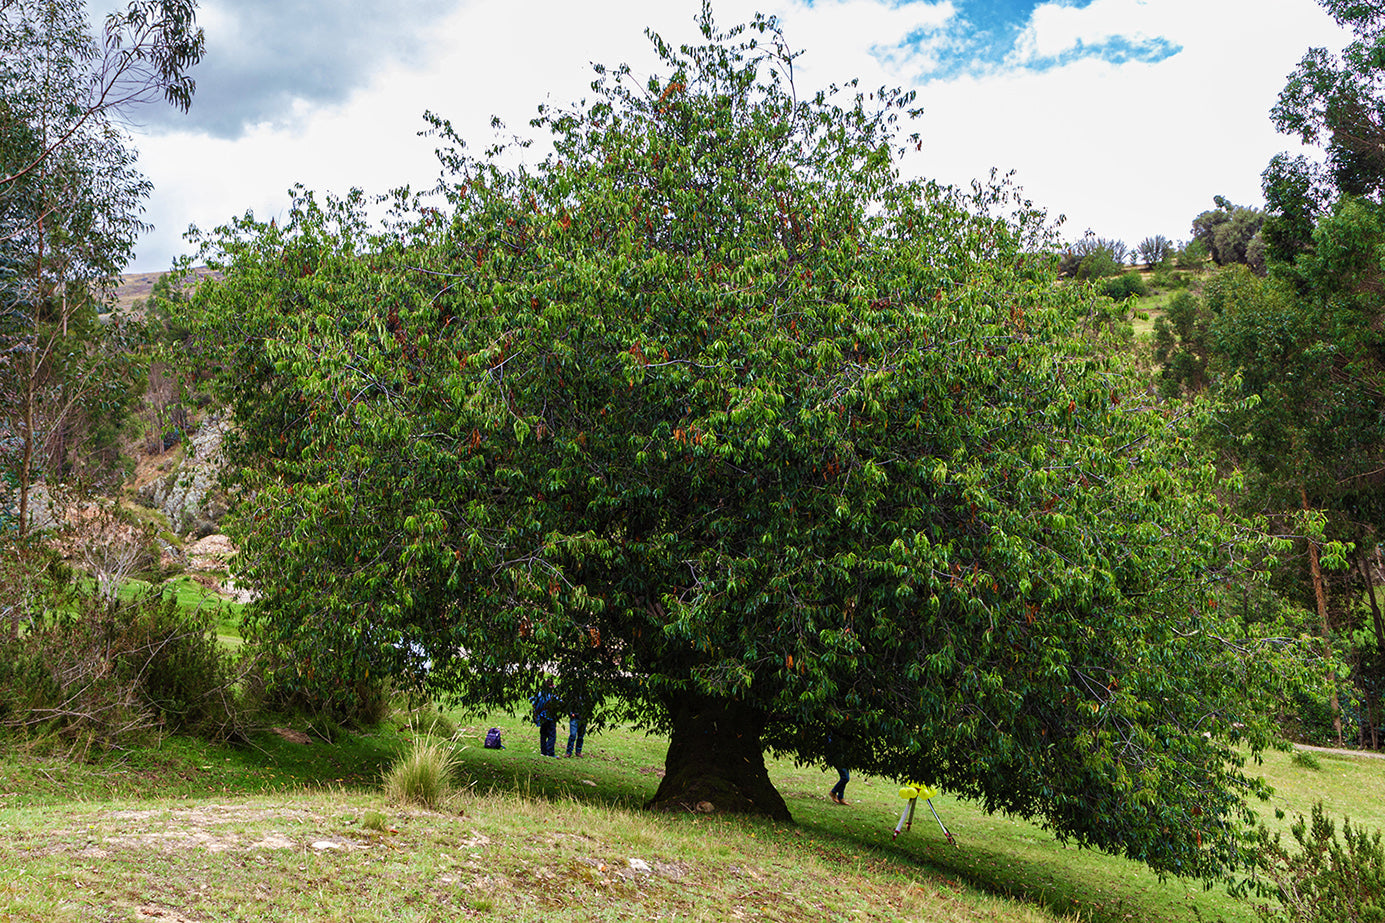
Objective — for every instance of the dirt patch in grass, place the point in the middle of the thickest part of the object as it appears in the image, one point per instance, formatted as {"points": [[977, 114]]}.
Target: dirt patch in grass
{"points": [[163, 914], [212, 828]]}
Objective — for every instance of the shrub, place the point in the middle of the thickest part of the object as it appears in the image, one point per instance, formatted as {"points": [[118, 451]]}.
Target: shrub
{"points": [[1098, 265], [1167, 279], [1124, 286], [1192, 255], [327, 702], [426, 719], [107, 672], [423, 775], [1324, 880], [1306, 759], [179, 668]]}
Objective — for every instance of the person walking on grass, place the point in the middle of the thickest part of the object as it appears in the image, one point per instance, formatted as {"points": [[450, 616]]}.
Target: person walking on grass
{"points": [[838, 792], [546, 717], [836, 758]]}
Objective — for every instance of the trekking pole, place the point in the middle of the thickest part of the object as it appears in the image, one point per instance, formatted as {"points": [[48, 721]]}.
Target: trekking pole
{"points": [[941, 824], [906, 818]]}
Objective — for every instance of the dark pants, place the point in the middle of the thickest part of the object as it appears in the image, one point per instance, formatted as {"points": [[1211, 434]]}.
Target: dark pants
{"points": [[843, 777], [576, 730], [548, 737]]}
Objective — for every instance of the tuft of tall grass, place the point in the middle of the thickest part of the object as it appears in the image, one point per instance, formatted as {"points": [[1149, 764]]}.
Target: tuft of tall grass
{"points": [[423, 775], [1306, 760]]}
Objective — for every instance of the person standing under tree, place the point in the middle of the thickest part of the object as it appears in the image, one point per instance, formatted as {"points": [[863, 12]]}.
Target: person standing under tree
{"points": [[576, 727], [836, 758], [546, 717], [838, 791]]}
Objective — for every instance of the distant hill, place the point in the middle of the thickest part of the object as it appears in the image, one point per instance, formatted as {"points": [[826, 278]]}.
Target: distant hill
{"points": [[136, 286], [133, 287]]}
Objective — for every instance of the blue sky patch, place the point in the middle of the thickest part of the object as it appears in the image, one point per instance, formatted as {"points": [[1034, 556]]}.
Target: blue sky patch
{"points": [[989, 35]]}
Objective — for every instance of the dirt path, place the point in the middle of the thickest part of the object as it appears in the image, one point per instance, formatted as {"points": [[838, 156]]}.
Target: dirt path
{"points": [[1369, 754]]}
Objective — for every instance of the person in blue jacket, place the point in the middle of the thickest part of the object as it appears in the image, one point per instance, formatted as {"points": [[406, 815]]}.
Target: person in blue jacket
{"points": [[546, 717]]}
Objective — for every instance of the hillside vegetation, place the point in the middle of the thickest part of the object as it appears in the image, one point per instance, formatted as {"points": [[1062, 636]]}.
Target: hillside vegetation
{"points": [[302, 830]]}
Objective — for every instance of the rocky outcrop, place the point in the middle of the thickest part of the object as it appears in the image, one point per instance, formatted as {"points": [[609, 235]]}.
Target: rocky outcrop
{"points": [[188, 495]]}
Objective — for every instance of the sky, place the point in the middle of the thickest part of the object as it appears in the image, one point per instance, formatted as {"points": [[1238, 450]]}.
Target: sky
{"points": [[1124, 116]]}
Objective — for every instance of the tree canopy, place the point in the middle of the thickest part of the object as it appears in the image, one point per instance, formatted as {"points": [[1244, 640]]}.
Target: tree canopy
{"points": [[1332, 101], [715, 416], [1231, 234]]}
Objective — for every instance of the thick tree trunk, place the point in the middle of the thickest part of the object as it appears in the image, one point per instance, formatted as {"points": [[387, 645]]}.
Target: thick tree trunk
{"points": [[716, 762]]}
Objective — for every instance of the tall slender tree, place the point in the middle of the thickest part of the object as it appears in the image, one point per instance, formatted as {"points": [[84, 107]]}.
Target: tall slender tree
{"points": [[70, 208], [1325, 237]]}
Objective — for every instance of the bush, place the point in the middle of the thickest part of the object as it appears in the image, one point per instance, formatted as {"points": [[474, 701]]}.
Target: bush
{"points": [[423, 776], [180, 670], [1325, 880], [1167, 279], [327, 702], [1124, 286], [426, 719], [1306, 759], [108, 672], [1098, 265]]}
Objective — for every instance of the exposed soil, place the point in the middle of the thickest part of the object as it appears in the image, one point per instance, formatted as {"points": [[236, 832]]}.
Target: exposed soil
{"points": [[213, 828], [1371, 754]]}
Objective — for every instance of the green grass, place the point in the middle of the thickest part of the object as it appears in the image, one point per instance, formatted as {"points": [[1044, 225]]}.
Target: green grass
{"points": [[192, 596], [526, 837]]}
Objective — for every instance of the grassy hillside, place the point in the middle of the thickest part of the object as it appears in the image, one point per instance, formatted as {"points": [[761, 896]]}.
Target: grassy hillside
{"points": [[283, 830]]}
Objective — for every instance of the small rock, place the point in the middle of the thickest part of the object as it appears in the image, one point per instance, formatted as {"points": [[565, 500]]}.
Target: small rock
{"points": [[321, 845], [641, 867]]}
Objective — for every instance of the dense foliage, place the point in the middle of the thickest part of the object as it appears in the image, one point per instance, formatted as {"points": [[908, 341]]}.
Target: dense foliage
{"points": [[1231, 234], [748, 438], [94, 673], [1320, 878], [1302, 354]]}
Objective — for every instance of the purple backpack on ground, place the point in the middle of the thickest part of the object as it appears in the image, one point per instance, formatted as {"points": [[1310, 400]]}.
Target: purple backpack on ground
{"points": [[493, 740]]}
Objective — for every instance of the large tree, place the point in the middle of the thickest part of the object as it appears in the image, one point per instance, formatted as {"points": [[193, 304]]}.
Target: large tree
{"points": [[70, 212], [1231, 234], [719, 418], [1332, 101]]}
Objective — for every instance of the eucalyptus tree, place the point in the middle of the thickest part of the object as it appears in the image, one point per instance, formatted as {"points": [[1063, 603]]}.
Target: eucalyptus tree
{"points": [[1155, 251], [70, 209], [717, 416]]}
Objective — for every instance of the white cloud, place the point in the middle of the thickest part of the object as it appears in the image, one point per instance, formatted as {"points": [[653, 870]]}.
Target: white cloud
{"points": [[1138, 148], [1127, 150], [1055, 29]]}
